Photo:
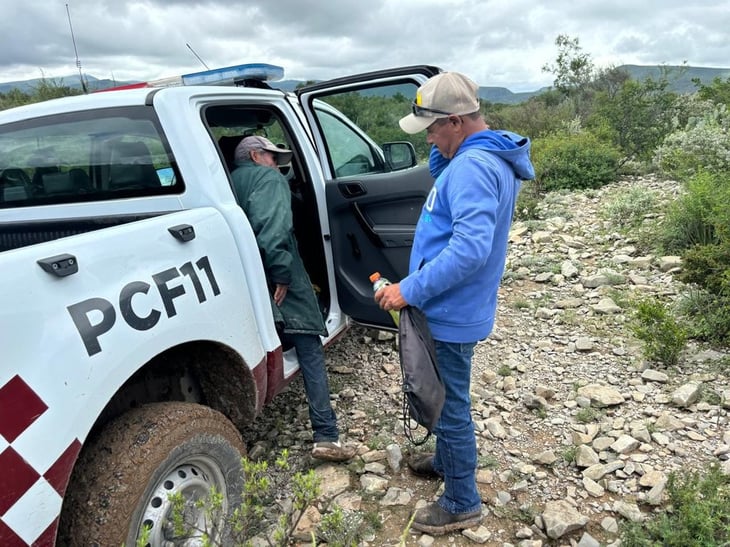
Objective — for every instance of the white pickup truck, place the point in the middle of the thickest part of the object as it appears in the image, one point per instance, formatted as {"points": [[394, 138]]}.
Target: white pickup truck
{"points": [[136, 331]]}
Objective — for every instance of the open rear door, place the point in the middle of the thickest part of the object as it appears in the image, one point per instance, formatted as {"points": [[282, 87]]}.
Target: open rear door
{"points": [[373, 204]]}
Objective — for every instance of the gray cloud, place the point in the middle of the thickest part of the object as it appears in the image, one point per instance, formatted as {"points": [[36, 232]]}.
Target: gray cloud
{"points": [[495, 42]]}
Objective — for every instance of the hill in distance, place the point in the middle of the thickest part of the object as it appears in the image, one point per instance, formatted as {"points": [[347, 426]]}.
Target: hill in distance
{"points": [[679, 76]]}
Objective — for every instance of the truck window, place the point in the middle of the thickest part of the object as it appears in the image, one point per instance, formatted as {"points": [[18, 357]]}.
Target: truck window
{"points": [[85, 156], [355, 124], [350, 153]]}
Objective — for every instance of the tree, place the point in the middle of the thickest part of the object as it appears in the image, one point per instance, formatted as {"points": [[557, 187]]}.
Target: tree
{"points": [[639, 116], [718, 91], [573, 69], [610, 80]]}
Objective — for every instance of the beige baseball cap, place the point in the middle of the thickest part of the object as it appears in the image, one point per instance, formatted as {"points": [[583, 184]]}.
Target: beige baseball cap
{"points": [[440, 96], [256, 142]]}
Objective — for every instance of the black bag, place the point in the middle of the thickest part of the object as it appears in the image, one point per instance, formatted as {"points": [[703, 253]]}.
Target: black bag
{"points": [[423, 389]]}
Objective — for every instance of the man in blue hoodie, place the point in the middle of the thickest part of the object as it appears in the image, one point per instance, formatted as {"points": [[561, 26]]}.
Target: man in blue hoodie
{"points": [[456, 265]]}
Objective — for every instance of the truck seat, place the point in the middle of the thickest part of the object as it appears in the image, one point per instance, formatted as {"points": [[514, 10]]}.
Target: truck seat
{"points": [[132, 167], [227, 145], [14, 185]]}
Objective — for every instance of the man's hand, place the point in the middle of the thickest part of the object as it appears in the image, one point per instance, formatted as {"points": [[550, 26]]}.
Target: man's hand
{"points": [[280, 293], [390, 297]]}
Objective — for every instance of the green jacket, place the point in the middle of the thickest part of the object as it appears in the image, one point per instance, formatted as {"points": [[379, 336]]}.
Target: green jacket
{"points": [[263, 194]]}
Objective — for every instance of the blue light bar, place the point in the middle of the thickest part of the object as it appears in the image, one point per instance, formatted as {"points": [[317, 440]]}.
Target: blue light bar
{"points": [[229, 75]]}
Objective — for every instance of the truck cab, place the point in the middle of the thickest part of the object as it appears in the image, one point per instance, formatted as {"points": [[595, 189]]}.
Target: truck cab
{"points": [[135, 298]]}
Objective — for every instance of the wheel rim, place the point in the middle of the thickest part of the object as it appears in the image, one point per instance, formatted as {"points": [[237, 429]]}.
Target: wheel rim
{"points": [[193, 479]]}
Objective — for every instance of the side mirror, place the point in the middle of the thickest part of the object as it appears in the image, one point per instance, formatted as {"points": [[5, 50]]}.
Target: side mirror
{"points": [[399, 155]]}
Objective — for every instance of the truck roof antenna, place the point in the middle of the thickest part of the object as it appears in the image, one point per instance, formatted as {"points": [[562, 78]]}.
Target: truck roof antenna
{"points": [[78, 63], [197, 56]]}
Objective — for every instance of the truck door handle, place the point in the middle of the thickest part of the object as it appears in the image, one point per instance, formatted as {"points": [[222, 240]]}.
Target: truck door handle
{"points": [[182, 232], [59, 265], [352, 189]]}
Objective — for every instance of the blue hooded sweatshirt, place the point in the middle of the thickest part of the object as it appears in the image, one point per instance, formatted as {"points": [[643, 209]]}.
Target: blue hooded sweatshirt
{"points": [[460, 245]]}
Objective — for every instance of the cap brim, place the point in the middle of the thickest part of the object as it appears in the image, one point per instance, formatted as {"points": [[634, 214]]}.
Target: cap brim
{"points": [[283, 157], [415, 124]]}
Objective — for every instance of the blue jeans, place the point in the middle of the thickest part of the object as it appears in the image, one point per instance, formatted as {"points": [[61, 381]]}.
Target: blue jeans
{"points": [[456, 445], [311, 363]]}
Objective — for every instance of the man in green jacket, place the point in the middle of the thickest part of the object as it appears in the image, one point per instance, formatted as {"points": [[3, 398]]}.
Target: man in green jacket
{"points": [[263, 193]]}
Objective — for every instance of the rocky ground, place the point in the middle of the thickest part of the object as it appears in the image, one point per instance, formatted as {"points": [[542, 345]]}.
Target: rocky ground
{"points": [[576, 431]]}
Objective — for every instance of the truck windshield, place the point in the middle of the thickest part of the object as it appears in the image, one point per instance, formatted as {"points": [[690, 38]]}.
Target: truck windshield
{"points": [[85, 156]]}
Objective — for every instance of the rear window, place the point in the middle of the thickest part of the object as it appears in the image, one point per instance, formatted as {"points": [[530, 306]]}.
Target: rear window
{"points": [[85, 156]]}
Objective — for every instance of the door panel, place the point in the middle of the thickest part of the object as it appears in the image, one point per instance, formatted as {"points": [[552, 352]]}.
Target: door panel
{"points": [[372, 211], [374, 232]]}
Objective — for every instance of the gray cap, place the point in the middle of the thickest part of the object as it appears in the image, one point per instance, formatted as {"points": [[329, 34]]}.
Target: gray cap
{"points": [[255, 142]]}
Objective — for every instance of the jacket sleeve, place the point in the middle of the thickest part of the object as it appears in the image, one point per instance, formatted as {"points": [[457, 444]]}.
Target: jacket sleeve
{"points": [[268, 207]]}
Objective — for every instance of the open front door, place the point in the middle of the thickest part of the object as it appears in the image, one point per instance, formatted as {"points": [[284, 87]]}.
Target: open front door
{"points": [[374, 191]]}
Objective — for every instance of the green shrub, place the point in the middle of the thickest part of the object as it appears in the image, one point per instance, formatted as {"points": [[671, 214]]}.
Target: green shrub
{"points": [[718, 91], [697, 226], [664, 338], [692, 218], [685, 153], [709, 267], [574, 162], [627, 209], [708, 316], [639, 115], [341, 528], [708, 312], [698, 514]]}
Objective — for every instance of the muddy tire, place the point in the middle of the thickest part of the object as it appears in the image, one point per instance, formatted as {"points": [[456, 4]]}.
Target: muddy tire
{"points": [[123, 478]]}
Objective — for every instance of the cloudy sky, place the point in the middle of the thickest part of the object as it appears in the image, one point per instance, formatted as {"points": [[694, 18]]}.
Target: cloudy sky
{"points": [[497, 43]]}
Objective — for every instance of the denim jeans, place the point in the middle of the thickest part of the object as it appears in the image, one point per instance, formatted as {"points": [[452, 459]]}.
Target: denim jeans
{"points": [[456, 446], [311, 363]]}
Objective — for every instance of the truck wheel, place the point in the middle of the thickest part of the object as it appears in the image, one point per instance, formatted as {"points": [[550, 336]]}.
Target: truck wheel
{"points": [[124, 478]]}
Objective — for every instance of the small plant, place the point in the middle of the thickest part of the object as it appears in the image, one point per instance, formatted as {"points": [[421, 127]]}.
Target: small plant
{"points": [[568, 454], [540, 264], [614, 278], [251, 517], [520, 303], [568, 317], [504, 370], [185, 521], [587, 415], [144, 537], [528, 513], [619, 297], [628, 209], [406, 530], [708, 315], [698, 513], [341, 528], [664, 338], [379, 441], [305, 487], [709, 395], [487, 462]]}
